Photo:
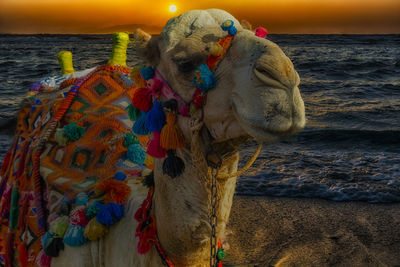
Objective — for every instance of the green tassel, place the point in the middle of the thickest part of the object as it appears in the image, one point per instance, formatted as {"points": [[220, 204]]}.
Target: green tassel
{"points": [[14, 211], [133, 112], [130, 139]]}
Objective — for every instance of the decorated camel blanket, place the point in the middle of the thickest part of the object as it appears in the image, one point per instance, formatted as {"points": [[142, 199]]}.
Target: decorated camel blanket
{"points": [[80, 139]]}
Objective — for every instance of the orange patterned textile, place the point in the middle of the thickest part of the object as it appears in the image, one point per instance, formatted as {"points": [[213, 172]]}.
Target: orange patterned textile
{"points": [[95, 151]]}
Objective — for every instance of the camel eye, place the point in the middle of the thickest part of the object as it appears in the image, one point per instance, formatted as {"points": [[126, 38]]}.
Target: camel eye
{"points": [[185, 65], [189, 64]]}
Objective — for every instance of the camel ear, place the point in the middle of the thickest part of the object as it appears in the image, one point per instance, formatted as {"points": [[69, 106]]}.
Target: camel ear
{"points": [[146, 46], [246, 25]]}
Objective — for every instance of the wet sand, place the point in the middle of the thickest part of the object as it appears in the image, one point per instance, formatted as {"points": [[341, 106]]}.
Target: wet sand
{"points": [[269, 231]]}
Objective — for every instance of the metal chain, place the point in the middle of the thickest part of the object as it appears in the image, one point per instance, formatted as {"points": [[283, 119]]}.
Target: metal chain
{"points": [[213, 217]]}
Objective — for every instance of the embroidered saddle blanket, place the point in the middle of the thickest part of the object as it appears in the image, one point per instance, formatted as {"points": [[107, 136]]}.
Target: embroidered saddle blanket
{"points": [[81, 129]]}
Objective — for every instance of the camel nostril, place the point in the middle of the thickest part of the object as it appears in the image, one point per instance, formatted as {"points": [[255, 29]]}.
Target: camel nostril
{"points": [[267, 78]]}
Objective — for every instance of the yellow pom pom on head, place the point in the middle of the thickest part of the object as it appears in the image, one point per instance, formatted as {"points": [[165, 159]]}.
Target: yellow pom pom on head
{"points": [[65, 61], [215, 49]]}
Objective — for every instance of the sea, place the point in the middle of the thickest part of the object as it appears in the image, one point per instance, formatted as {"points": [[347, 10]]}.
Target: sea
{"points": [[349, 149]]}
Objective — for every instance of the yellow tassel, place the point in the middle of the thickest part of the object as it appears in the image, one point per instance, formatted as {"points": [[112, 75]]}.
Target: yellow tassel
{"points": [[215, 49], [171, 136], [149, 162], [95, 230]]}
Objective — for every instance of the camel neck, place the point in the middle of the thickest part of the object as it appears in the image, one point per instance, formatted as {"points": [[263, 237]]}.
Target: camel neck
{"points": [[182, 209]]}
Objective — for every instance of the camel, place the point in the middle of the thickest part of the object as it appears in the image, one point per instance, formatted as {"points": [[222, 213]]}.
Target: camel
{"points": [[256, 98]]}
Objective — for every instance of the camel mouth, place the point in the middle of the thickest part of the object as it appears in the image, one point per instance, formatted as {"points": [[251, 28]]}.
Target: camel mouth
{"points": [[264, 134]]}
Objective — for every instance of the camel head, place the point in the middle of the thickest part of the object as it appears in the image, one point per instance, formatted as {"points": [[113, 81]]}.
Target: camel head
{"points": [[256, 93]]}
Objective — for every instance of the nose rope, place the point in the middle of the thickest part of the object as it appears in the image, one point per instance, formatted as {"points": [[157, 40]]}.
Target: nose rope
{"points": [[244, 168]]}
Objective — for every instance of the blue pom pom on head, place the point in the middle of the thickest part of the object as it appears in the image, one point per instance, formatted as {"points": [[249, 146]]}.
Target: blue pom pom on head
{"points": [[232, 30], [109, 213], [120, 176], [155, 118], [81, 199], [147, 73], [204, 79], [227, 24]]}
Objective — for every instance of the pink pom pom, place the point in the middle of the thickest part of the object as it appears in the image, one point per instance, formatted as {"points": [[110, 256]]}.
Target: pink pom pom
{"points": [[261, 32], [154, 149], [154, 85], [78, 217], [42, 260]]}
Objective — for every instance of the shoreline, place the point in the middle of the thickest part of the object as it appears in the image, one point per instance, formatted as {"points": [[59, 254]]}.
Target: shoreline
{"points": [[281, 231]]}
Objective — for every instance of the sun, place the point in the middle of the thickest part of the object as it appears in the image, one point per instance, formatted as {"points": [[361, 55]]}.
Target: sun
{"points": [[172, 8]]}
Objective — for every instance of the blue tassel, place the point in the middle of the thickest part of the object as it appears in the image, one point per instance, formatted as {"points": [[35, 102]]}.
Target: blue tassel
{"points": [[104, 215], [155, 118], [81, 199], [109, 214], [46, 239], [117, 210], [139, 127], [227, 25], [120, 176], [147, 73], [74, 236], [204, 79], [136, 154]]}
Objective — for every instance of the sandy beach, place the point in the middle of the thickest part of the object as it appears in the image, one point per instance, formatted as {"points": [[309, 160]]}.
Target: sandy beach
{"points": [[269, 231]]}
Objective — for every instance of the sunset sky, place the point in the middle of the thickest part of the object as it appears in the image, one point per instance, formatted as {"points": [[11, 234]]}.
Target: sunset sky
{"points": [[278, 16]]}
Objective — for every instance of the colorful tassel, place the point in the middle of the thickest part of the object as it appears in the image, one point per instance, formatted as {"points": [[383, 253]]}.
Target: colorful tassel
{"points": [[203, 78], [136, 154], [173, 165], [149, 162], [73, 132], [155, 118], [78, 216], [139, 127], [227, 24], [81, 199], [154, 149], [92, 210], [42, 260], [147, 73], [115, 191], [95, 230], [130, 139], [74, 236], [54, 247], [261, 32], [215, 49], [154, 85], [133, 112], [22, 255], [109, 214], [61, 139], [59, 226], [142, 99], [148, 180], [171, 136], [120, 176]]}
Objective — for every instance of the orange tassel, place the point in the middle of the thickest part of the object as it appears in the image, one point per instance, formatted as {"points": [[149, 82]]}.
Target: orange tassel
{"points": [[171, 136], [22, 255], [115, 191]]}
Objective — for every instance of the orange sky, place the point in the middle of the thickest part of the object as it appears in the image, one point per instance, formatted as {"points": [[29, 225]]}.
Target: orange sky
{"points": [[278, 16]]}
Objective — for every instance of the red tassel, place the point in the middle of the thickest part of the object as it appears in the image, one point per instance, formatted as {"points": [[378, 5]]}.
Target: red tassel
{"points": [[142, 99], [22, 255], [5, 163], [154, 149], [9, 247], [220, 264]]}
